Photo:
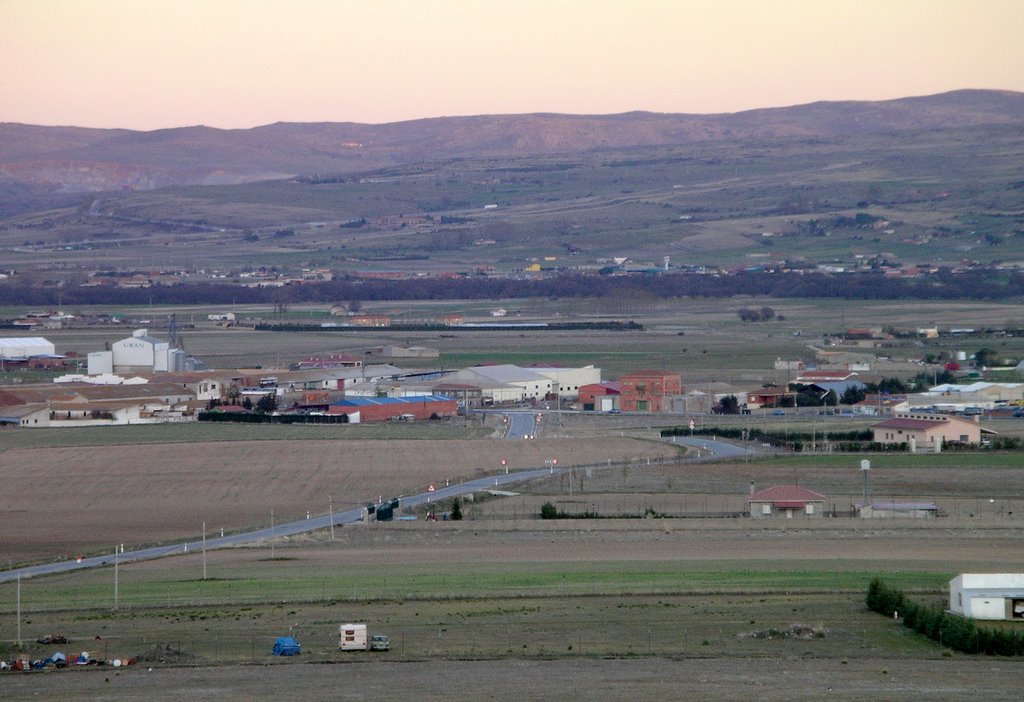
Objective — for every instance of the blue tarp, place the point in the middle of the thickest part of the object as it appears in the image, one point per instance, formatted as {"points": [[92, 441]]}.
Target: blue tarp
{"points": [[286, 646]]}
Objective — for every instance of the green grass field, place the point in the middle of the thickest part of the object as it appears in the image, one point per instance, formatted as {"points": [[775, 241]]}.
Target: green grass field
{"points": [[546, 610]]}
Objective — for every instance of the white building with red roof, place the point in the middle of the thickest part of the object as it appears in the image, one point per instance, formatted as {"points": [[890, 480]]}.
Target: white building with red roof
{"points": [[927, 431], [786, 501]]}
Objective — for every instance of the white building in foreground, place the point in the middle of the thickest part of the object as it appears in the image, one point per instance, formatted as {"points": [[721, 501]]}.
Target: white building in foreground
{"points": [[988, 596]]}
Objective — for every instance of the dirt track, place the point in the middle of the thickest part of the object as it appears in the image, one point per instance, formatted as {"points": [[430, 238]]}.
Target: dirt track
{"points": [[586, 680]]}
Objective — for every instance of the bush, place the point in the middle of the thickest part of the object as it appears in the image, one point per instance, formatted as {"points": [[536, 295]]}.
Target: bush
{"points": [[548, 511]]}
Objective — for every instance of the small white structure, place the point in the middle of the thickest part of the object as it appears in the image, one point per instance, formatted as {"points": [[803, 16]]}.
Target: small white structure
{"points": [[101, 362], [988, 596], [352, 637]]}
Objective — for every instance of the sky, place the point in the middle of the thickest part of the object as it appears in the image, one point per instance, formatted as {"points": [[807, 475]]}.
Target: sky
{"points": [[151, 64]]}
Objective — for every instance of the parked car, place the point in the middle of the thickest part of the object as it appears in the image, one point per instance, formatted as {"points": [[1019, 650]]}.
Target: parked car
{"points": [[379, 642], [778, 412]]}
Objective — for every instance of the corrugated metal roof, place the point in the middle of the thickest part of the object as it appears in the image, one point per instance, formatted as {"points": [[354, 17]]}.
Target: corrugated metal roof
{"points": [[375, 401], [903, 423], [12, 342], [786, 493], [508, 373]]}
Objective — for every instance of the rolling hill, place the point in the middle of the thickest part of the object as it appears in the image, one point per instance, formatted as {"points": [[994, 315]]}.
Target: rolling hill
{"points": [[57, 160]]}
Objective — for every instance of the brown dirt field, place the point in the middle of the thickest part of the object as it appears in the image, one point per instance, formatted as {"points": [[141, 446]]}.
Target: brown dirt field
{"points": [[87, 498], [587, 680]]}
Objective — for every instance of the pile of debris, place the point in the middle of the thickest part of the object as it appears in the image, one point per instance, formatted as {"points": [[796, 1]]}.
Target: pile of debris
{"points": [[796, 631], [164, 653]]}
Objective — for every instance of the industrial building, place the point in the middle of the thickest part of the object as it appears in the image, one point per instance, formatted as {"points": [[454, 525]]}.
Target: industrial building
{"points": [[21, 348], [381, 409], [995, 596], [139, 353]]}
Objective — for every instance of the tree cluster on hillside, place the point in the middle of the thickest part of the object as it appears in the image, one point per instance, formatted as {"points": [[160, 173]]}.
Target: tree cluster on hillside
{"points": [[945, 285]]}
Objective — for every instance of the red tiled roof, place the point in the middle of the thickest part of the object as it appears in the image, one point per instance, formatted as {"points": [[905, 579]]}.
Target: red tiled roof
{"points": [[788, 494], [914, 424]]}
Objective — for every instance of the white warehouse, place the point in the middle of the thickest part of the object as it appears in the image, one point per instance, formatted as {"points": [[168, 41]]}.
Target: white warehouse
{"points": [[26, 347], [988, 596]]}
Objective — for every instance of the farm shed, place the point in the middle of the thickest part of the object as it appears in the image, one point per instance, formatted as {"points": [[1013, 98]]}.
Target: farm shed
{"points": [[786, 501], [988, 596], [895, 509]]}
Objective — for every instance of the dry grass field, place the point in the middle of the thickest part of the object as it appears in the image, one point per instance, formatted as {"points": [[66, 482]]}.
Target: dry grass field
{"points": [[79, 499]]}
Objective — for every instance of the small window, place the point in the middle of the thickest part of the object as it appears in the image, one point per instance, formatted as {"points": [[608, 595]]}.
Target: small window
{"points": [[809, 508], [766, 508]]}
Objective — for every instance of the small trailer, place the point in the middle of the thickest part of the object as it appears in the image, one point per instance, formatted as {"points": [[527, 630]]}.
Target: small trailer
{"points": [[353, 637]]}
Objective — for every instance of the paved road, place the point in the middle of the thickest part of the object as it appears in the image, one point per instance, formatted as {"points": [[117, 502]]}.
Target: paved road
{"points": [[279, 530], [709, 449], [521, 425]]}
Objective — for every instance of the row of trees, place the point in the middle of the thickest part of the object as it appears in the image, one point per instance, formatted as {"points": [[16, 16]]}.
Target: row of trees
{"points": [[976, 284], [959, 633]]}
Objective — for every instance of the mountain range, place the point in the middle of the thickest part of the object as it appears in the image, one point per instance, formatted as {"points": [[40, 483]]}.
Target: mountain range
{"points": [[40, 161]]}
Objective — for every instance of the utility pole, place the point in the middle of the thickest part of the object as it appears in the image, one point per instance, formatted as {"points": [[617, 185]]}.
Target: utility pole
{"points": [[19, 610], [115, 579], [204, 550], [330, 511]]}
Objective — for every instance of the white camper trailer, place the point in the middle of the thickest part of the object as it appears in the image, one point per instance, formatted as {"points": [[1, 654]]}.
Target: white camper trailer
{"points": [[352, 637]]}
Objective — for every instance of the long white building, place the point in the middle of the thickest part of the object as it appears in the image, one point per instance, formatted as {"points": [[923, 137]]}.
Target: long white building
{"points": [[26, 347]]}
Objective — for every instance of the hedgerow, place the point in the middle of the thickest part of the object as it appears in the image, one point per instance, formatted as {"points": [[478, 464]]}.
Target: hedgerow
{"points": [[958, 633]]}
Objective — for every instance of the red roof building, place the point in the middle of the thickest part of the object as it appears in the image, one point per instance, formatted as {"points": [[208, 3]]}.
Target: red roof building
{"points": [[786, 501], [927, 431], [589, 394]]}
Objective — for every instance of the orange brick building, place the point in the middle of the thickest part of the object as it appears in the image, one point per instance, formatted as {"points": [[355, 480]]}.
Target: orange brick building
{"points": [[647, 390]]}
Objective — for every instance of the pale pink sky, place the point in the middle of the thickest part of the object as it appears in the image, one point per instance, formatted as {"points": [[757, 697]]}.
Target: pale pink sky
{"points": [[148, 64]]}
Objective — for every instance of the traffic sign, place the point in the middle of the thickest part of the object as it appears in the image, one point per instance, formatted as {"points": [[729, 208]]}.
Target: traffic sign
{"points": [[431, 488]]}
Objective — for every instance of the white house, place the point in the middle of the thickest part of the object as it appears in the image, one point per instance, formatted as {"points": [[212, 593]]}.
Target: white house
{"points": [[988, 595]]}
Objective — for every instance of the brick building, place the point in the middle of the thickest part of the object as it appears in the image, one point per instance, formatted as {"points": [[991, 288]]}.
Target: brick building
{"points": [[647, 390]]}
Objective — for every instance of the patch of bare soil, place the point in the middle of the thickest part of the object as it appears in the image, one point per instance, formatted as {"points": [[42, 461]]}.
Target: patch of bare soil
{"points": [[61, 502], [587, 680]]}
